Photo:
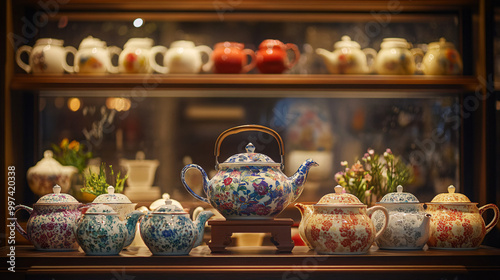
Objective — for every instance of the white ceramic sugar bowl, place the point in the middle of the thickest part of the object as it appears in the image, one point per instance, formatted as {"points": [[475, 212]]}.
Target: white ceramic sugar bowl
{"points": [[48, 56], [408, 227], [94, 57], [183, 57]]}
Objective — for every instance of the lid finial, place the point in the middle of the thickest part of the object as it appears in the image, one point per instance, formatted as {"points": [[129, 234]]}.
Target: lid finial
{"points": [[250, 148], [399, 189], [451, 189], [56, 189], [111, 190], [338, 189]]}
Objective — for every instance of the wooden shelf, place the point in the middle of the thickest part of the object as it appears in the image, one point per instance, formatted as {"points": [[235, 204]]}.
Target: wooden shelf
{"points": [[228, 6], [257, 262], [154, 82]]}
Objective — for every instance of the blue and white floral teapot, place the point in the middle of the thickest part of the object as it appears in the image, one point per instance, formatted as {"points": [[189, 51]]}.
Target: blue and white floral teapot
{"points": [[250, 185], [168, 230]]}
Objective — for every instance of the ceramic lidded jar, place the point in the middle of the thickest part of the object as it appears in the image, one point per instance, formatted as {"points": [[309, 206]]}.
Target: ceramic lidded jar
{"points": [[442, 59], [231, 58], [50, 226], [48, 56], [408, 227], [456, 222], [347, 58], [49, 172], [119, 202], [250, 185], [341, 224], [272, 56], [94, 57], [169, 231], [396, 57], [101, 232]]}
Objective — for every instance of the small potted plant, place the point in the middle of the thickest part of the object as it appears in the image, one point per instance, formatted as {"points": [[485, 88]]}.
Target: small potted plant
{"points": [[98, 183], [374, 176]]}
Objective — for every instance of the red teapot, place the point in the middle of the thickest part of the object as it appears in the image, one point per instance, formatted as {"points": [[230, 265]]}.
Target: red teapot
{"points": [[272, 56], [231, 58]]}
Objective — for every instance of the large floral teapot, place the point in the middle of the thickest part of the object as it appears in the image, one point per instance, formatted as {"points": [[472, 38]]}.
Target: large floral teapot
{"points": [[250, 185]]}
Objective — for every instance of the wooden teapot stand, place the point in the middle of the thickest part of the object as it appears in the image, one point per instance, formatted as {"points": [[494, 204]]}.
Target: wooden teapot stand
{"points": [[222, 230]]}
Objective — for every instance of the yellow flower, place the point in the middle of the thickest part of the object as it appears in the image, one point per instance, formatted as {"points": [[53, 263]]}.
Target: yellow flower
{"points": [[74, 145], [64, 143]]}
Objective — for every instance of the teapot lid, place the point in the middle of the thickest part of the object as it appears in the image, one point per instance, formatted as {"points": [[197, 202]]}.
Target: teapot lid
{"points": [[346, 42], [340, 197], [112, 197], [249, 158], [394, 43], [57, 197], [182, 44], [399, 197], [451, 196], [442, 43], [271, 43], [49, 41], [144, 43], [49, 166], [160, 202], [101, 209], [91, 42], [169, 208]]}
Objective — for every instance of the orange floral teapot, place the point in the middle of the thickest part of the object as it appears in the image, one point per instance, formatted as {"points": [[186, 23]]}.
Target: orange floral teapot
{"points": [[456, 222]]}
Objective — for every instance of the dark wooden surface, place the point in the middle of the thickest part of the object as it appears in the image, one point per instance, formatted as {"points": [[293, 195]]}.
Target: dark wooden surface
{"points": [[256, 262]]}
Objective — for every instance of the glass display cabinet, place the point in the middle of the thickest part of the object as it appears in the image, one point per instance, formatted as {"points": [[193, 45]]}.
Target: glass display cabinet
{"points": [[444, 126]]}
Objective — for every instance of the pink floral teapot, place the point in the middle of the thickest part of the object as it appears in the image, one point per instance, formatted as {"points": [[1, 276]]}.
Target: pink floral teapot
{"points": [[250, 185]]}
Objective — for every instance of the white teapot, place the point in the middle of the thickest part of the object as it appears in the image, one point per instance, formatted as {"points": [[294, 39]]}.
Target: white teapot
{"points": [[135, 56], [48, 56], [94, 57], [183, 57], [396, 58], [347, 58], [442, 59]]}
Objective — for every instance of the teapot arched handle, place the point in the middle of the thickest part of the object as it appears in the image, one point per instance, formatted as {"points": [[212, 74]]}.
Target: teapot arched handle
{"points": [[296, 52], [20, 62], [251, 63], [207, 66], [68, 68], [205, 181], [371, 210], [369, 52], [152, 59], [18, 226], [496, 217], [243, 128]]}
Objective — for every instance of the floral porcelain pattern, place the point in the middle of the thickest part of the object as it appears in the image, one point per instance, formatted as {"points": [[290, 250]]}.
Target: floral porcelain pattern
{"points": [[50, 226], [341, 230], [408, 227], [456, 223], [101, 232], [250, 185], [170, 231]]}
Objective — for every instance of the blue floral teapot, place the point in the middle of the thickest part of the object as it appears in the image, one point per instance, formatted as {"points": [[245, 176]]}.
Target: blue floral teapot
{"points": [[169, 231], [250, 185]]}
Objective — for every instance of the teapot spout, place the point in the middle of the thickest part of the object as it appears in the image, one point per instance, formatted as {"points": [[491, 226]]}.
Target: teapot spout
{"points": [[201, 219], [324, 53], [131, 223], [298, 179]]}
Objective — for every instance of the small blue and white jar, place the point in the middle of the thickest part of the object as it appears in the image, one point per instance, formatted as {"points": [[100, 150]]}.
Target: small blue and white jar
{"points": [[408, 227]]}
